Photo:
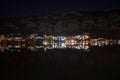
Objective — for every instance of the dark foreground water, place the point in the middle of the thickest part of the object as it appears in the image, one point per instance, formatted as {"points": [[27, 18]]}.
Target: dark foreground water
{"points": [[98, 63]]}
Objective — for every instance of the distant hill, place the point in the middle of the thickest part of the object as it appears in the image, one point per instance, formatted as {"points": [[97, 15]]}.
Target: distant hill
{"points": [[66, 23]]}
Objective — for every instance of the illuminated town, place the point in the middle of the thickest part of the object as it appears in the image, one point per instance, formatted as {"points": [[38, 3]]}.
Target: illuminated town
{"points": [[47, 42]]}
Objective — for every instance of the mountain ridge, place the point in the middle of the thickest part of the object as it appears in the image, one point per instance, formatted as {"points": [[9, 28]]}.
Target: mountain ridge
{"points": [[73, 22]]}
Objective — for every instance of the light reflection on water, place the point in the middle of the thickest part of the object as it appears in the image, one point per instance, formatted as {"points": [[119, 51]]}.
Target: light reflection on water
{"points": [[83, 57]]}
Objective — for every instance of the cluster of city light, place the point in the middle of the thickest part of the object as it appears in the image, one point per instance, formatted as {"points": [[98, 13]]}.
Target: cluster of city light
{"points": [[103, 42], [72, 44], [80, 42], [34, 36]]}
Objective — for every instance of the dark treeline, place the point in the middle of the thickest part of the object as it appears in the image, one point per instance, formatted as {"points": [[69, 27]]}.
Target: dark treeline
{"points": [[66, 23]]}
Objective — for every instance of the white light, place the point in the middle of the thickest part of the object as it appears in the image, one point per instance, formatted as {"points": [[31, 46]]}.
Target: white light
{"points": [[63, 45], [45, 43]]}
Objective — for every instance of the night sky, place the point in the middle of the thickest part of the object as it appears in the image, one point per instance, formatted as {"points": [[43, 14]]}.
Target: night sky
{"points": [[10, 8]]}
